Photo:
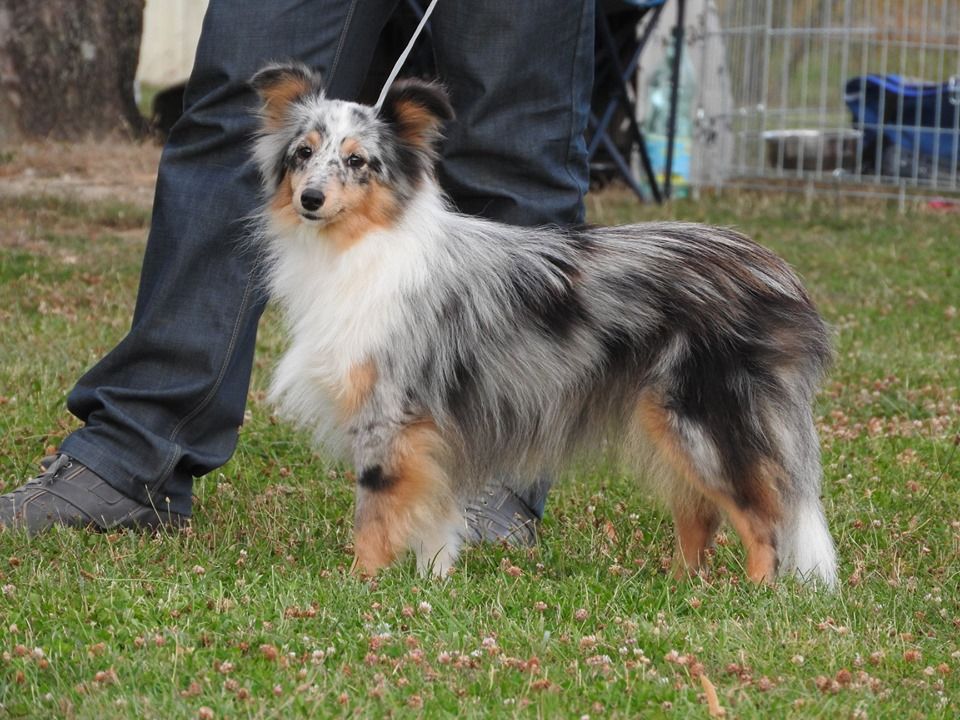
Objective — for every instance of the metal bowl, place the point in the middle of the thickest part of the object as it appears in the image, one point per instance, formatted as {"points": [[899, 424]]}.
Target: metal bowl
{"points": [[812, 149]]}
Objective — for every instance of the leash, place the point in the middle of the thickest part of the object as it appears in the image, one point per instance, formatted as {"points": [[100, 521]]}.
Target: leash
{"points": [[403, 55]]}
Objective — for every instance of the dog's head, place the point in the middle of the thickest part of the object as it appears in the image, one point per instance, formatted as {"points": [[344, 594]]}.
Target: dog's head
{"points": [[339, 165]]}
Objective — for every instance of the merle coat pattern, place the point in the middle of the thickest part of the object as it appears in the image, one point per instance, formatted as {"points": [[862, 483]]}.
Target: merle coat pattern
{"points": [[436, 350]]}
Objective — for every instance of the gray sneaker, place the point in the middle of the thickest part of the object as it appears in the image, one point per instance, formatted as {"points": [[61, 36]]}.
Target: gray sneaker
{"points": [[69, 493], [499, 514]]}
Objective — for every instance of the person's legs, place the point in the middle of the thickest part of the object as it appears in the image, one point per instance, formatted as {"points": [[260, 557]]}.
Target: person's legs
{"points": [[520, 76], [166, 404]]}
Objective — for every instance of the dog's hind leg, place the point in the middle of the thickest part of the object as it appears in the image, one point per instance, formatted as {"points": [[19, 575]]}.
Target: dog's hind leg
{"points": [[695, 520], [750, 502], [404, 498]]}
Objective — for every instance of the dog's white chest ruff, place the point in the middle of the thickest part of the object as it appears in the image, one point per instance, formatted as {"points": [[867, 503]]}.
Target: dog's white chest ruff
{"points": [[342, 308]]}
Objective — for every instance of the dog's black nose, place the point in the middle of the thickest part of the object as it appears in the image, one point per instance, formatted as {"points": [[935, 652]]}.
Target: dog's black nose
{"points": [[311, 199]]}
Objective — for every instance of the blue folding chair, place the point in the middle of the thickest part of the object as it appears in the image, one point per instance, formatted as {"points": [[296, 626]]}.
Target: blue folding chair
{"points": [[911, 130], [619, 47]]}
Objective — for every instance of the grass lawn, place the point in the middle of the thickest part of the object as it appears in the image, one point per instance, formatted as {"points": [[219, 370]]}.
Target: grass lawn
{"points": [[251, 613]]}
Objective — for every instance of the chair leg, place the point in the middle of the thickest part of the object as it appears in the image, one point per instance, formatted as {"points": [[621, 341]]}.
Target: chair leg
{"points": [[622, 97], [624, 168], [674, 95]]}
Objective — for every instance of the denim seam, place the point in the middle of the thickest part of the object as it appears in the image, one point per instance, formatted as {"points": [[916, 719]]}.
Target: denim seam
{"points": [[231, 347], [343, 39], [573, 105]]}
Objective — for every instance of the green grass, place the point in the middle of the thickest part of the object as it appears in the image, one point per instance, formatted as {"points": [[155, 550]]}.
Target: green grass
{"points": [[252, 613]]}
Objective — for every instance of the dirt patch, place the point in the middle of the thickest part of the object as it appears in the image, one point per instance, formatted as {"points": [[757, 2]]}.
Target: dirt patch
{"points": [[120, 171]]}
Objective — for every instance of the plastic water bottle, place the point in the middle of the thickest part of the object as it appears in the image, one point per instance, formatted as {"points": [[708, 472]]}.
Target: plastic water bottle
{"points": [[657, 122]]}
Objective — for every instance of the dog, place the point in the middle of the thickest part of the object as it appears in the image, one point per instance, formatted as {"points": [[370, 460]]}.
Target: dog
{"points": [[437, 350]]}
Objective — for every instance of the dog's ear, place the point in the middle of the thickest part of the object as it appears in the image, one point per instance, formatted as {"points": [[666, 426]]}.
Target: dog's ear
{"points": [[418, 110], [280, 85]]}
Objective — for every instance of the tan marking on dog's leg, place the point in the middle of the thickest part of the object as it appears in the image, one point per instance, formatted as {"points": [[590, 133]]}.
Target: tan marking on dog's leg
{"points": [[695, 524], [756, 521], [414, 500], [376, 544], [756, 535], [357, 387], [755, 524]]}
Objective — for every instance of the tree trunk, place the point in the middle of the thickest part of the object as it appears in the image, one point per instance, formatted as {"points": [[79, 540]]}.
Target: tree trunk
{"points": [[67, 68]]}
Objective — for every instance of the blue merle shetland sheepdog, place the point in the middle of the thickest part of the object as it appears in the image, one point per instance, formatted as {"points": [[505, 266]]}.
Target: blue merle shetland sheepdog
{"points": [[436, 350]]}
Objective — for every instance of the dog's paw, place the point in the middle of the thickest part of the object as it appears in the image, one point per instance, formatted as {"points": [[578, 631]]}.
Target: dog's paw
{"points": [[437, 558]]}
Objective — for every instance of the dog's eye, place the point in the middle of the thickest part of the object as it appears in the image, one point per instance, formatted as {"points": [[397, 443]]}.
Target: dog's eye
{"points": [[355, 161], [304, 152]]}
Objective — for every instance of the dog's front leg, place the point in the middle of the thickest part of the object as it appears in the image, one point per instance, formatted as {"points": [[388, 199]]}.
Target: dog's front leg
{"points": [[404, 498]]}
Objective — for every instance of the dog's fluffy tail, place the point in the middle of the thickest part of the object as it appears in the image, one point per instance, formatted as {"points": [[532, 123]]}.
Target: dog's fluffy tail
{"points": [[805, 546]]}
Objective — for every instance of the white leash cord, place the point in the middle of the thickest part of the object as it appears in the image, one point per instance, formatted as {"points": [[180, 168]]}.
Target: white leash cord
{"points": [[403, 56]]}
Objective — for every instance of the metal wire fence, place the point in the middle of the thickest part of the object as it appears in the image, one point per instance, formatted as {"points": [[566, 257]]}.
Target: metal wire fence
{"points": [[861, 96]]}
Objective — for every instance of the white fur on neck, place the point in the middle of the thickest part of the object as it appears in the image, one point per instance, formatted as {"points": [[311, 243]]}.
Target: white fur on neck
{"points": [[341, 305]]}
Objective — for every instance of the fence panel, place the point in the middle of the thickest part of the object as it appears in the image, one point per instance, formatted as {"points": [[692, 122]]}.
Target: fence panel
{"points": [[862, 96]]}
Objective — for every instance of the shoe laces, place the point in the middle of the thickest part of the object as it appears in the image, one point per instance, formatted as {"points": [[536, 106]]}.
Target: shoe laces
{"points": [[47, 477], [53, 471]]}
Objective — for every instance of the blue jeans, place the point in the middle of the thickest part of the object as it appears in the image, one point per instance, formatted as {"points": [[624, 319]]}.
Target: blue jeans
{"points": [[166, 404]]}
